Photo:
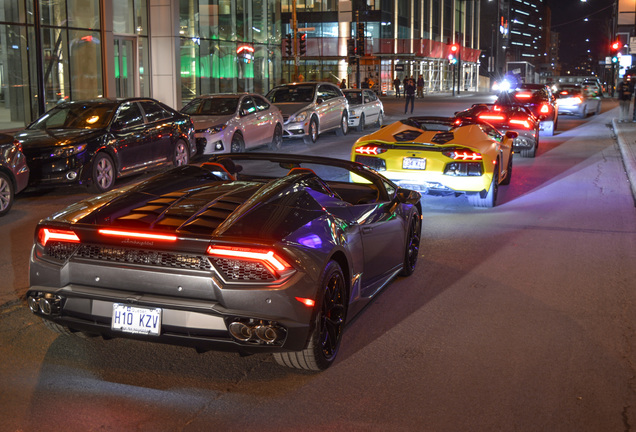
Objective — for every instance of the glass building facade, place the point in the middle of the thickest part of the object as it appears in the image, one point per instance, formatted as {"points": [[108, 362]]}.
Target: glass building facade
{"points": [[174, 50]]}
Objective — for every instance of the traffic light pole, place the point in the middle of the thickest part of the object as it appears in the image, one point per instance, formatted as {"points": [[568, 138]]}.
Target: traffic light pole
{"points": [[295, 40], [357, 51]]}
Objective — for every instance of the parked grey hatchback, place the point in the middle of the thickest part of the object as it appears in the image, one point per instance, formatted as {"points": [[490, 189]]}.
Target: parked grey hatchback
{"points": [[310, 109]]}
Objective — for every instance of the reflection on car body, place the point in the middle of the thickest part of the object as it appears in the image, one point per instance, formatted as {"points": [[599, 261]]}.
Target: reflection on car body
{"points": [[234, 122], [311, 108], [253, 253], [515, 118], [95, 142], [538, 98], [441, 156], [14, 172], [578, 100], [364, 107]]}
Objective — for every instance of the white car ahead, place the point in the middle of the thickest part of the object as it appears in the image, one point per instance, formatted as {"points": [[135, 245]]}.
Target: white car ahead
{"points": [[364, 108]]}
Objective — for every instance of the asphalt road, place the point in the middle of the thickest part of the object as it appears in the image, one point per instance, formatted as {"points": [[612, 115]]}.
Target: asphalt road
{"points": [[517, 318]]}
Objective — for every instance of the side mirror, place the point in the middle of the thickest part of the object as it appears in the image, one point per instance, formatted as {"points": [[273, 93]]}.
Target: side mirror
{"points": [[319, 101], [408, 196], [512, 134]]}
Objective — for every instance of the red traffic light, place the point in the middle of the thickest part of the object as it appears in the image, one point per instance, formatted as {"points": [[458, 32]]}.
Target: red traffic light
{"points": [[616, 45], [454, 48]]}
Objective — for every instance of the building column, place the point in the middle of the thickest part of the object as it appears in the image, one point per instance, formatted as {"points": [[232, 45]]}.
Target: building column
{"points": [[165, 78]]}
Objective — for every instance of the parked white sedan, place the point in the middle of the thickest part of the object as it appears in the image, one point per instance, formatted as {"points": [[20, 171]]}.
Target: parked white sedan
{"points": [[364, 108], [234, 122]]}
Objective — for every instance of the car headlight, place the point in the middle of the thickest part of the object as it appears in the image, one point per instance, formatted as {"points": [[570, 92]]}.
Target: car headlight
{"points": [[68, 151], [302, 116], [216, 129]]}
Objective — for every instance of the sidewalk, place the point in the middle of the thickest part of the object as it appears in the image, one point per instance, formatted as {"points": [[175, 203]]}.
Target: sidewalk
{"points": [[626, 137]]}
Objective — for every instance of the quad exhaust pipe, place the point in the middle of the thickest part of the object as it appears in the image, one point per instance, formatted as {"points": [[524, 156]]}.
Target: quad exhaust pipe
{"points": [[253, 331]]}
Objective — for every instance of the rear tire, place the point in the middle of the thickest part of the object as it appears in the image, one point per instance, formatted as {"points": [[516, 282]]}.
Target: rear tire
{"points": [[360, 127], [380, 121], [7, 194], [325, 338], [344, 125], [583, 113], [490, 199], [277, 139], [506, 180], [412, 248]]}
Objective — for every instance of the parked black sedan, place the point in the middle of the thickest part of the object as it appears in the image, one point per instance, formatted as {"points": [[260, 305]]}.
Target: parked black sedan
{"points": [[14, 172], [95, 142], [246, 252]]}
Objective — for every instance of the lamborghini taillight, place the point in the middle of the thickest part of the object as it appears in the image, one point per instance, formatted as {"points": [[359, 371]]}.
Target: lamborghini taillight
{"points": [[46, 235], [463, 155], [545, 108], [520, 123], [246, 264], [370, 150], [492, 117], [136, 235]]}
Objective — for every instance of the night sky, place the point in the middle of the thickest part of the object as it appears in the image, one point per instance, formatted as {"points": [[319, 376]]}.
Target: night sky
{"points": [[568, 20]]}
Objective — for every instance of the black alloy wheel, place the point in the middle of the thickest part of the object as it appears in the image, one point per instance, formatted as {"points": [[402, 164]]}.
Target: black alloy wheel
{"points": [[325, 339], [238, 144], [506, 180], [412, 248]]}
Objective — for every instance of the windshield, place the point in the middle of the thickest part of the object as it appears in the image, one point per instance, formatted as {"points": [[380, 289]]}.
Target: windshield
{"points": [[76, 116], [354, 98], [212, 106], [297, 93]]}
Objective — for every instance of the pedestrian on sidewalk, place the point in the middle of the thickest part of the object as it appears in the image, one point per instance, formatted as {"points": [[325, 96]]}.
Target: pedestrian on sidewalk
{"points": [[396, 86], [409, 95], [625, 91], [420, 86]]}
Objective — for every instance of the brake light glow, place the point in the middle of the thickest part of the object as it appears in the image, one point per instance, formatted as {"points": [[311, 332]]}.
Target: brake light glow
{"points": [[523, 95], [496, 108], [545, 108], [306, 301], [370, 150], [463, 155], [46, 234], [520, 122], [577, 100], [496, 117], [139, 235], [267, 258]]}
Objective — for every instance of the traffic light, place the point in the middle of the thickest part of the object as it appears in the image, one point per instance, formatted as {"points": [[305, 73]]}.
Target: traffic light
{"points": [[302, 43], [360, 38], [615, 46], [452, 57], [289, 46], [615, 51], [351, 47]]}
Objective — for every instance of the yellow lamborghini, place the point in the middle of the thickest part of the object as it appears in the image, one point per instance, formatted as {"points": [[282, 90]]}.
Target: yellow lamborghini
{"points": [[441, 156]]}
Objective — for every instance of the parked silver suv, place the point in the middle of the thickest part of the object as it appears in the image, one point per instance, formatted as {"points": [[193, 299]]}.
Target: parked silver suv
{"points": [[311, 108]]}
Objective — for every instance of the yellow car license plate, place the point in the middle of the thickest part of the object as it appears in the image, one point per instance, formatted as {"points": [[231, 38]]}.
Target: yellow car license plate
{"points": [[414, 163]]}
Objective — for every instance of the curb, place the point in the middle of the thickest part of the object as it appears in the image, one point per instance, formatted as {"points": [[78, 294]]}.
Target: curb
{"points": [[627, 146]]}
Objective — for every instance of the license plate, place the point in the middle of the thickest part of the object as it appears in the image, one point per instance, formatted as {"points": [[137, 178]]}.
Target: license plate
{"points": [[414, 163], [133, 319]]}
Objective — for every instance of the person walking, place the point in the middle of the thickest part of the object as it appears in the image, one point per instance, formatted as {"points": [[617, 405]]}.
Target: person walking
{"points": [[396, 86], [409, 95], [420, 86], [343, 84], [625, 91]]}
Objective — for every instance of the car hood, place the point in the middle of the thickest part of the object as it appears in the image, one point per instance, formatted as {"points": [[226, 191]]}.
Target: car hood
{"points": [[44, 138], [293, 107], [206, 121], [190, 201]]}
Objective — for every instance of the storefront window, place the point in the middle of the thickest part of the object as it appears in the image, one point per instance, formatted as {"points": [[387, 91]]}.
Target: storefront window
{"points": [[15, 109], [85, 65], [83, 14]]}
